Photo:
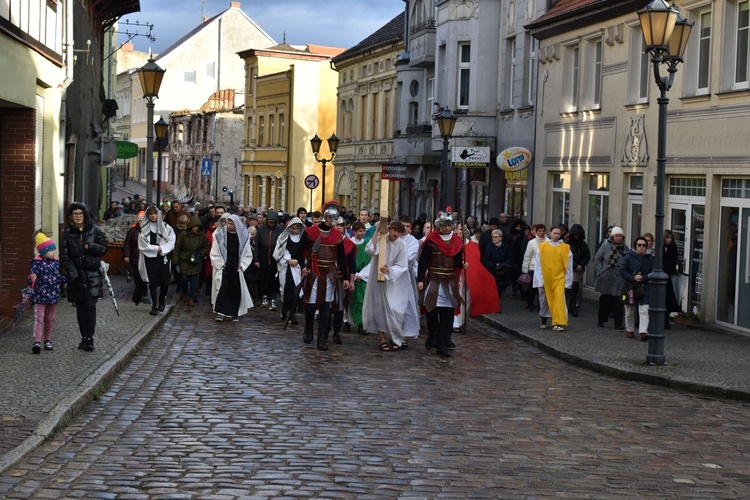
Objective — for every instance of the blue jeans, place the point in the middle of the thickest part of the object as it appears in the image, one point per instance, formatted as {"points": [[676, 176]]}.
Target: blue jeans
{"points": [[191, 282]]}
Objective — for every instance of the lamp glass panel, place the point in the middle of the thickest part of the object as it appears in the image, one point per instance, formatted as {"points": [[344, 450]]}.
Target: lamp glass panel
{"points": [[679, 39], [315, 143]]}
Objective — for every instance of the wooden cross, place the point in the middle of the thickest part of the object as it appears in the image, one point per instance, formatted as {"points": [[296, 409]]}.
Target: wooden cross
{"points": [[385, 205]]}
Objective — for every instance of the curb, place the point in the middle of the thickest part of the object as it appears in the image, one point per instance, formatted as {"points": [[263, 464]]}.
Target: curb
{"points": [[617, 372], [98, 380]]}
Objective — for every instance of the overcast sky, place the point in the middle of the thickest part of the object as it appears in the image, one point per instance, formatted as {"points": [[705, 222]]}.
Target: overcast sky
{"points": [[304, 21]]}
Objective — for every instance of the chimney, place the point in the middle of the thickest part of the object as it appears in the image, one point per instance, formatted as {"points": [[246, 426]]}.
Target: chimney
{"points": [[127, 47], [234, 5]]}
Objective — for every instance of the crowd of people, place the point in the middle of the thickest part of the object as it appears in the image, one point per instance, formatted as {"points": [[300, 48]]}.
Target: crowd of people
{"points": [[347, 271]]}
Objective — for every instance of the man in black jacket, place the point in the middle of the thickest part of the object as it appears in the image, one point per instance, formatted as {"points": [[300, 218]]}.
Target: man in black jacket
{"points": [[265, 244]]}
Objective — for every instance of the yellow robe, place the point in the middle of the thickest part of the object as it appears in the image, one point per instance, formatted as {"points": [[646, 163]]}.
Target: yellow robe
{"points": [[554, 260]]}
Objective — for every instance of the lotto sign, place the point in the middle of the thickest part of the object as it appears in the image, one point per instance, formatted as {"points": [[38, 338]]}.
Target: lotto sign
{"points": [[311, 181], [514, 159]]}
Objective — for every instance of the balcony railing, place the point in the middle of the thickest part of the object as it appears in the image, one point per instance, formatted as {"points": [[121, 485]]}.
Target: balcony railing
{"points": [[429, 24]]}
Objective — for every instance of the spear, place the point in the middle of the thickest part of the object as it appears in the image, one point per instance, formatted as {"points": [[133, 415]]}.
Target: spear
{"points": [[103, 268]]}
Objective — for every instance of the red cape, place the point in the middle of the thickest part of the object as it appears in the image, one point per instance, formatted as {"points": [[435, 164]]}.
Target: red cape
{"points": [[481, 284], [451, 248]]}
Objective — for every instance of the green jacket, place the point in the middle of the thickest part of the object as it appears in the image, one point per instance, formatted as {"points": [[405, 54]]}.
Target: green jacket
{"points": [[190, 249]]}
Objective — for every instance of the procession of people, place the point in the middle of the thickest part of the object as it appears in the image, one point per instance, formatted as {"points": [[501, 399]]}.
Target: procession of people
{"points": [[342, 271]]}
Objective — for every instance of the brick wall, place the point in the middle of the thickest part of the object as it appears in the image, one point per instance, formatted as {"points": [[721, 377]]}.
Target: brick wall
{"points": [[17, 172]]}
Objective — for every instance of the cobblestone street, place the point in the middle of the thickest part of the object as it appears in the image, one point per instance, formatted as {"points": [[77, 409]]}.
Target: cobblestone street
{"points": [[227, 410]]}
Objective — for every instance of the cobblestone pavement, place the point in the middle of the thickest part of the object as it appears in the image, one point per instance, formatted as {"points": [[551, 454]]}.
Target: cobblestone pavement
{"points": [[228, 410]]}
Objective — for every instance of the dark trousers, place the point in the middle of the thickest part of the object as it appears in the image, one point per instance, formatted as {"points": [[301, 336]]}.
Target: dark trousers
{"points": [[610, 304], [440, 325], [159, 277], [324, 318], [86, 315]]}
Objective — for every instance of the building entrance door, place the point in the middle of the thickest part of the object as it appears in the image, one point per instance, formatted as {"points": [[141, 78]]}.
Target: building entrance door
{"points": [[686, 220], [733, 267]]}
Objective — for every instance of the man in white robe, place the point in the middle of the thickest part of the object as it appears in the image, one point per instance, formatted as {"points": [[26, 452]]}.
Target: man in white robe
{"points": [[411, 325], [386, 303]]}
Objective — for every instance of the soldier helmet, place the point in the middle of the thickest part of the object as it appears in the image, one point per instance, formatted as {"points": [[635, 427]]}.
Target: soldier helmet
{"points": [[331, 211], [444, 219]]}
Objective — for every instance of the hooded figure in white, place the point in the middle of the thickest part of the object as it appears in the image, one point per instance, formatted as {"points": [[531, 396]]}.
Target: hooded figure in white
{"points": [[155, 244], [231, 254], [289, 255]]}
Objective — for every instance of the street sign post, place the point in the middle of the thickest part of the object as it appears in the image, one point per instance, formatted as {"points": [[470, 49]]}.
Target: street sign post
{"points": [[311, 182]]}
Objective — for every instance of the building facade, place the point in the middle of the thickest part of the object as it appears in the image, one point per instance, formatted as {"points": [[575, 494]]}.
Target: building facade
{"points": [[597, 138], [51, 103], [198, 65], [367, 95], [290, 95]]}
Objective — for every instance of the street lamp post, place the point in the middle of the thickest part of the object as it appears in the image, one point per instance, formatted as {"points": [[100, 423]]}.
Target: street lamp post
{"points": [[333, 146], [150, 76], [665, 36], [217, 159], [162, 128], [446, 122]]}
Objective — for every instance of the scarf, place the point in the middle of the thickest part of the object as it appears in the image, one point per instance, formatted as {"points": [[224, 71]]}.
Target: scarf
{"points": [[221, 235], [161, 228], [278, 252]]}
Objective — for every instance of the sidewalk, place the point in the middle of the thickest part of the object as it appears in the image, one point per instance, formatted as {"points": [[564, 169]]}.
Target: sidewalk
{"points": [[129, 189], [707, 360], [42, 392]]}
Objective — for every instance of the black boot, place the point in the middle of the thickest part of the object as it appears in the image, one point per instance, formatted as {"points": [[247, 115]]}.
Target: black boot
{"points": [[431, 342], [307, 336], [324, 319], [87, 344], [162, 303]]}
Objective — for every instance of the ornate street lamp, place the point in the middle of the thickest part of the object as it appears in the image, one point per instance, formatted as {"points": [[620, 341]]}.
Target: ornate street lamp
{"points": [[446, 122], [333, 146], [665, 36], [150, 76], [162, 129], [217, 159]]}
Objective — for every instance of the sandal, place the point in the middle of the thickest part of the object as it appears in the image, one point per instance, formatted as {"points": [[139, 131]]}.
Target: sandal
{"points": [[395, 347], [385, 347], [404, 345]]}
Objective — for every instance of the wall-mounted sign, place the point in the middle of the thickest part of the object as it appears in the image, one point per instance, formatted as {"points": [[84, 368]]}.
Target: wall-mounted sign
{"points": [[126, 150], [394, 172], [514, 159], [464, 157]]}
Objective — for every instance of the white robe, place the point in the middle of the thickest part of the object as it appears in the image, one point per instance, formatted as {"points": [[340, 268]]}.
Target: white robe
{"points": [[386, 303], [283, 257], [146, 249], [246, 258], [411, 325]]}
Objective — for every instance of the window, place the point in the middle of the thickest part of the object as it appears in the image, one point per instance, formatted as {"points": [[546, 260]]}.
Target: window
{"points": [[596, 84], [510, 71], [704, 52], [640, 73], [464, 74], [413, 113], [211, 70], [430, 94], [282, 129], [742, 53], [189, 77], [529, 73], [571, 75], [592, 91], [271, 130], [261, 130], [561, 198]]}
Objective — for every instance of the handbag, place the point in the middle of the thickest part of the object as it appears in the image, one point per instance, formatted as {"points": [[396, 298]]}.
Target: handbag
{"points": [[524, 282], [632, 294]]}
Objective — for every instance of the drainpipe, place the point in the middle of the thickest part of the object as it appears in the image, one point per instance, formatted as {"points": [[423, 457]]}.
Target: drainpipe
{"points": [[67, 81]]}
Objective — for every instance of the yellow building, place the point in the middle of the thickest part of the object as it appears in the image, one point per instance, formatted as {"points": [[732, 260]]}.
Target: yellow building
{"points": [[290, 95], [367, 110]]}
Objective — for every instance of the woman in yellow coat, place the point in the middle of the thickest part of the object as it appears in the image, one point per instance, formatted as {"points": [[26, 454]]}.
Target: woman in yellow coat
{"points": [[554, 273]]}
